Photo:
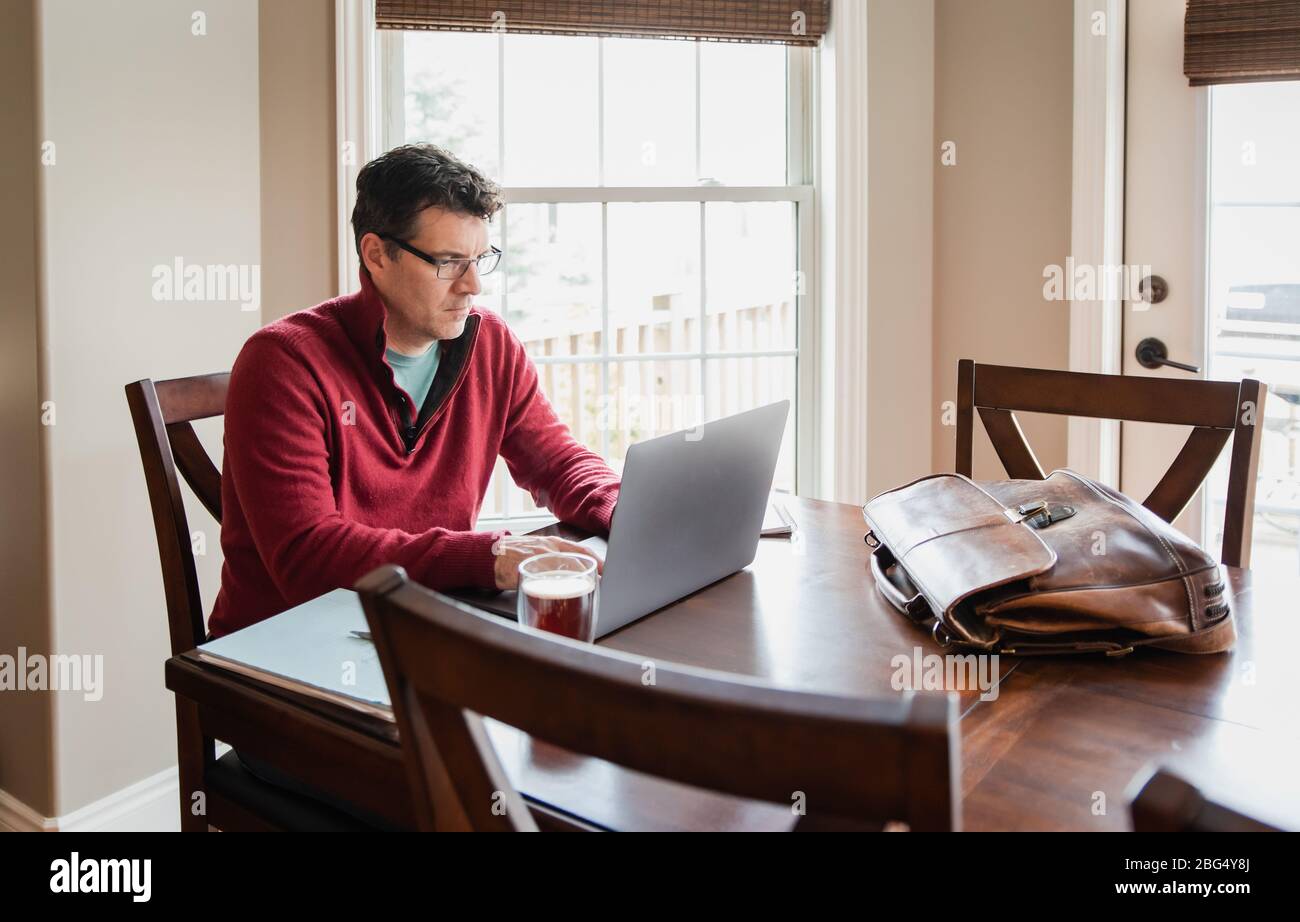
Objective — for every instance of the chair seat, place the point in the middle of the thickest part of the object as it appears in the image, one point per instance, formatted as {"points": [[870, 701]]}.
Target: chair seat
{"points": [[285, 809]]}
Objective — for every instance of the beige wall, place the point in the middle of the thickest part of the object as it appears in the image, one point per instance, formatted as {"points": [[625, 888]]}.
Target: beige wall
{"points": [[157, 160], [900, 238], [26, 718], [299, 243], [1004, 94]]}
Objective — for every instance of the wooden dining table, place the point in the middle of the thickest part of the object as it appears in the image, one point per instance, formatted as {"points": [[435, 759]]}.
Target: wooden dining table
{"points": [[1050, 743]]}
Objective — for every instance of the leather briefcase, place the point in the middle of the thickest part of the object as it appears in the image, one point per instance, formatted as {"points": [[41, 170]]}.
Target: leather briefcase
{"points": [[1062, 565]]}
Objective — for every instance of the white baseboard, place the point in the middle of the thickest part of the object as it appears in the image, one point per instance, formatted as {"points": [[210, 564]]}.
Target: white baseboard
{"points": [[150, 805], [146, 806], [16, 816]]}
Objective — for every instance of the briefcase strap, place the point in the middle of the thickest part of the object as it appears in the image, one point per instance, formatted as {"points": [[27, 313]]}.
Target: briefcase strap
{"points": [[915, 607]]}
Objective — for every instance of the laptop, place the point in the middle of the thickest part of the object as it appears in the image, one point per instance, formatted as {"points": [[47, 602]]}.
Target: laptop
{"points": [[690, 511]]}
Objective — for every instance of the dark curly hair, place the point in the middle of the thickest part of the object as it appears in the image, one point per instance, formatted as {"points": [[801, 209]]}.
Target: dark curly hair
{"points": [[395, 187]]}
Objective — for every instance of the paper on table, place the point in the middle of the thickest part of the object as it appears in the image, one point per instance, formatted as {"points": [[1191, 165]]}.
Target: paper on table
{"points": [[777, 521], [310, 649]]}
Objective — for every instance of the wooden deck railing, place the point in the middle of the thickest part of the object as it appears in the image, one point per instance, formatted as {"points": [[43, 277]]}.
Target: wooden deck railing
{"points": [[647, 397]]}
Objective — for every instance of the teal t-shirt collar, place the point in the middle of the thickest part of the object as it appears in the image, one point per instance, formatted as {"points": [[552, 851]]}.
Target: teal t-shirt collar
{"points": [[415, 373]]}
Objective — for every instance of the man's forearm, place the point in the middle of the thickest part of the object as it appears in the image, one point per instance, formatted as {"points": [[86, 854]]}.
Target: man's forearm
{"points": [[576, 485], [334, 554]]}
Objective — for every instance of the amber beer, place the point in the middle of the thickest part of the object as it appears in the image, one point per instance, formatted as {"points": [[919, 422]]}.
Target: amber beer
{"points": [[557, 593]]}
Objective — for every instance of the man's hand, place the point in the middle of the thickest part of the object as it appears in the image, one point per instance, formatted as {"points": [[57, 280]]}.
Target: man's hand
{"points": [[512, 550]]}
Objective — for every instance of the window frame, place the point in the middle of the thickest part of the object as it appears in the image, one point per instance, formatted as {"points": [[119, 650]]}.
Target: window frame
{"points": [[386, 103]]}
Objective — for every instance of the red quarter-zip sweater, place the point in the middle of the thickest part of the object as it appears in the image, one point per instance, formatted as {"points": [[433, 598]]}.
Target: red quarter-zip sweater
{"points": [[327, 475]]}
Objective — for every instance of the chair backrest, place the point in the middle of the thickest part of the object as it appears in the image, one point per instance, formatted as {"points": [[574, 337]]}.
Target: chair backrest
{"points": [[163, 412], [857, 762], [1167, 803], [1217, 411]]}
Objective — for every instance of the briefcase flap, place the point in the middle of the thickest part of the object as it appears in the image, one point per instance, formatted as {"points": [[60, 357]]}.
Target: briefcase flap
{"points": [[954, 539]]}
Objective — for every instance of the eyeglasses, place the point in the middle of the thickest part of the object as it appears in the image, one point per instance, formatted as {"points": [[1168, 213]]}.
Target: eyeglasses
{"points": [[452, 268]]}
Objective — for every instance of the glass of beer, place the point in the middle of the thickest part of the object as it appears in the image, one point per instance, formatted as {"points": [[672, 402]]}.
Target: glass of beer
{"points": [[557, 593]]}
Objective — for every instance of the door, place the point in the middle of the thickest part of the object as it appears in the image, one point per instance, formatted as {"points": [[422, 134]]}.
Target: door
{"points": [[1212, 207]]}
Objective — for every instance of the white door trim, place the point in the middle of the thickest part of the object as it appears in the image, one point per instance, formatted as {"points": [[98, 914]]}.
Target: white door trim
{"points": [[1097, 216], [1168, 159], [355, 120], [842, 242], [1197, 516]]}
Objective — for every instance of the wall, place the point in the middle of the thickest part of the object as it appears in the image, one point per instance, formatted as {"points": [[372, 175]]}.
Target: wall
{"points": [[1004, 94], [157, 145], [299, 243], [189, 153], [900, 238], [26, 718]]}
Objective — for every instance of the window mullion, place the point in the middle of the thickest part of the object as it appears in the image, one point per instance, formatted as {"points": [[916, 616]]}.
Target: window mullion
{"points": [[600, 111], [501, 108], [603, 418], [507, 494], [704, 317], [545, 195], [392, 67], [619, 358], [699, 119], [505, 275]]}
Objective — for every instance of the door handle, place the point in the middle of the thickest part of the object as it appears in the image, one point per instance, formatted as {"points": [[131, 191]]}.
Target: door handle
{"points": [[1153, 353]]}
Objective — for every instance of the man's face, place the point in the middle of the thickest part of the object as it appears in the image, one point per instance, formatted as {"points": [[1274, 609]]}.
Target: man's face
{"points": [[421, 306]]}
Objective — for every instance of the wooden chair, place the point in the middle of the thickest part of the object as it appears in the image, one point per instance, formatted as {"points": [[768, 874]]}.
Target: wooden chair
{"points": [[234, 798], [1217, 410], [1166, 803], [859, 763]]}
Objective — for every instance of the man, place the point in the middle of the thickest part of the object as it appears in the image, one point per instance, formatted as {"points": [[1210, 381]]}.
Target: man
{"points": [[364, 430]]}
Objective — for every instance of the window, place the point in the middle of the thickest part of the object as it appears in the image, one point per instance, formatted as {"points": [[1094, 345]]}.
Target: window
{"points": [[658, 227], [1254, 304]]}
